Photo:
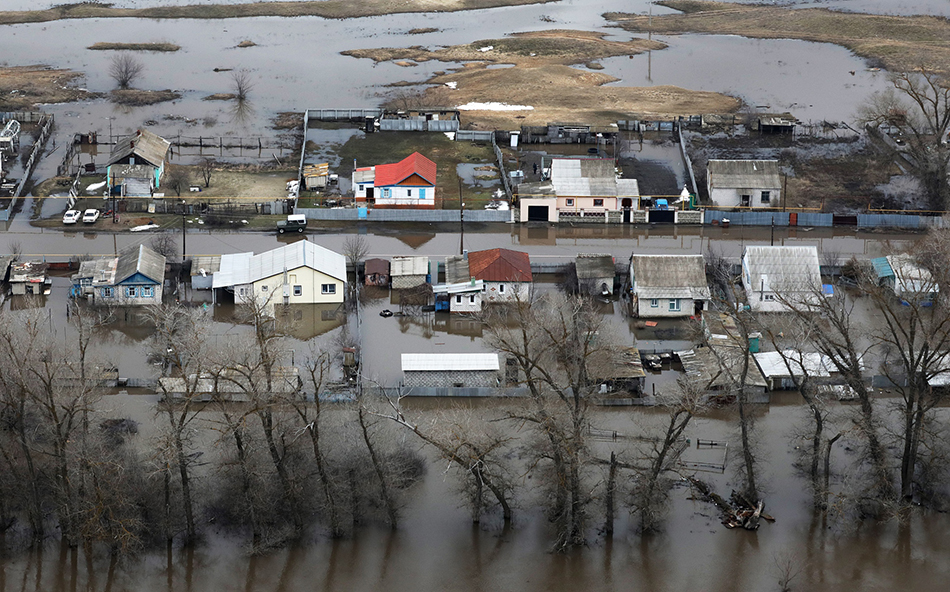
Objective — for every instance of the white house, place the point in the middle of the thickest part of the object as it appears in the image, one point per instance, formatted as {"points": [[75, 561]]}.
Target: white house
{"points": [[299, 273], [578, 188], [409, 183], [668, 285], [744, 183], [771, 275], [459, 297], [506, 274], [408, 271]]}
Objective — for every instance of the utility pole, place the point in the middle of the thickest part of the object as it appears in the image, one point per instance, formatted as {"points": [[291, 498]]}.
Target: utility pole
{"points": [[461, 220], [183, 233]]}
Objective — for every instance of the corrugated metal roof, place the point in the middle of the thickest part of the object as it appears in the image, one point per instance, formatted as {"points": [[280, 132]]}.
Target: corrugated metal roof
{"points": [[396, 173], [744, 174], [233, 270], [140, 259], [459, 287], [679, 276], [299, 254], [449, 362], [500, 265], [584, 177], [592, 266], [364, 175], [456, 269], [205, 263], [144, 144], [882, 267], [784, 268], [408, 265], [773, 364]]}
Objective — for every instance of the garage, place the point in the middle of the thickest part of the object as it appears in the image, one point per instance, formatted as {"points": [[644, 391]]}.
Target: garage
{"points": [[538, 213], [662, 216]]}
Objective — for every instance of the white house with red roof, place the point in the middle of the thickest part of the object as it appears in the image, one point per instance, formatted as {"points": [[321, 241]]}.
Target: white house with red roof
{"points": [[409, 183], [505, 274]]}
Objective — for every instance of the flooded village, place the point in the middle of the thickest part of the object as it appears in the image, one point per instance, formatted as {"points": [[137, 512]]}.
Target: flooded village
{"points": [[464, 295]]}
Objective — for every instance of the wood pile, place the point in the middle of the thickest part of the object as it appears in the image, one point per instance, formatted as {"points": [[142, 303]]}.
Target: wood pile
{"points": [[740, 512]]}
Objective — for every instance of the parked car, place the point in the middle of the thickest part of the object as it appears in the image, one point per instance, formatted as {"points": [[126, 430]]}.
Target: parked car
{"points": [[71, 216], [90, 216], [294, 222]]}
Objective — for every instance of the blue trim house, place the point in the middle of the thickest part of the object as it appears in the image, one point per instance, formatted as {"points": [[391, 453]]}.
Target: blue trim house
{"points": [[134, 278]]}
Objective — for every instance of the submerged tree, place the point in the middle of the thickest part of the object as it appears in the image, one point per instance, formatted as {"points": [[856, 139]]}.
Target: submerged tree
{"points": [[919, 105], [125, 69]]}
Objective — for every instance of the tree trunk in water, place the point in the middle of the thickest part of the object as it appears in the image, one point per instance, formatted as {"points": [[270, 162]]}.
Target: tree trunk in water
{"points": [[185, 492], [267, 424], [246, 488], [752, 491], [380, 474], [611, 484]]}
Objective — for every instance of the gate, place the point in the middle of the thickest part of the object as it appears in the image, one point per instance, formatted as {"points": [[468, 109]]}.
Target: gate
{"points": [[538, 213]]}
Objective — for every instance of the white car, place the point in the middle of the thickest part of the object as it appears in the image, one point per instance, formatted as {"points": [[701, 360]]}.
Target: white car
{"points": [[71, 216], [90, 216]]}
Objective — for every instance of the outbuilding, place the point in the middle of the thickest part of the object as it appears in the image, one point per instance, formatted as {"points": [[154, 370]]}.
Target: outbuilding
{"points": [[744, 183], [450, 370]]}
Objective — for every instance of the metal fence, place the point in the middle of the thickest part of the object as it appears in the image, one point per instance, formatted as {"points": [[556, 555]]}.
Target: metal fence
{"points": [[23, 116], [822, 220], [376, 215], [341, 114], [474, 136], [747, 218], [469, 392]]}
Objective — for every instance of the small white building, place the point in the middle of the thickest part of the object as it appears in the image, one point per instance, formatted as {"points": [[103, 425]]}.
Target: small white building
{"points": [[299, 273], [668, 285], [595, 273], [408, 272], [450, 370], [785, 370], [462, 297], [744, 183], [771, 275]]}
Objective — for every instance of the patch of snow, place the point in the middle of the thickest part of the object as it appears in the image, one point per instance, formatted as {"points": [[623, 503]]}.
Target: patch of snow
{"points": [[486, 48], [453, 85], [143, 227], [493, 107], [450, 135]]}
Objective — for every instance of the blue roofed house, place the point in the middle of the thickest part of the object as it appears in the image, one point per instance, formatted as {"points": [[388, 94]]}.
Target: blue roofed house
{"points": [[134, 278]]}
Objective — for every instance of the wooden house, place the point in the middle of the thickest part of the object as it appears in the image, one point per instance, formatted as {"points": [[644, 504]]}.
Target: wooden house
{"points": [[409, 183], [376, 272], [136, 164]]}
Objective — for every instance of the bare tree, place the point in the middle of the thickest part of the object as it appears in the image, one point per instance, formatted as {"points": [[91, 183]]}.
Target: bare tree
{"points": [[165, 244], [206, 168], [918, 105], [125, 68], [242, 83], [355, 249], [177, 178]]}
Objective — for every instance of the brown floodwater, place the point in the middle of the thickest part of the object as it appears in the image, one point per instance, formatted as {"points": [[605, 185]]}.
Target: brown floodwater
{"points": [[437, 548]]}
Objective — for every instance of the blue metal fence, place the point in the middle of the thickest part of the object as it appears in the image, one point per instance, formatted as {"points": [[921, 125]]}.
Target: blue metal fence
{"points": [[374, 215]]}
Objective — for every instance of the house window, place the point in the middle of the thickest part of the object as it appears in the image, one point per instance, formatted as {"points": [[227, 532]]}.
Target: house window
{"points": [[569, 202], [770, 297], [458, 299], [386, 192], [598, 203], [471, 299], [745, 200], [766, 196], [654, 303], [328, 288], [298, 290], [242, 291], [108, 292], [674, 304], [264, 288], [130, 291], [146, 291], [408, 192], [501, 288], [484, 287]]}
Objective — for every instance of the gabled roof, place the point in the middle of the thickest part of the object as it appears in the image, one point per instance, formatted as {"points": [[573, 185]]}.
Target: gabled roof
{"points": [[500, 265], [144, 144], [139, 259], [449, 362], [233, 270], [783, 268], [299, 254], [582, 177], [396, 173], [593, 266], [744, 174], [669, 276], [772, 363]]}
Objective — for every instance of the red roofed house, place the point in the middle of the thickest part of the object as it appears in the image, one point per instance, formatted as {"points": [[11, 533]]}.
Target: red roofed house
{"points": [[409, 183], [506, 274]]}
